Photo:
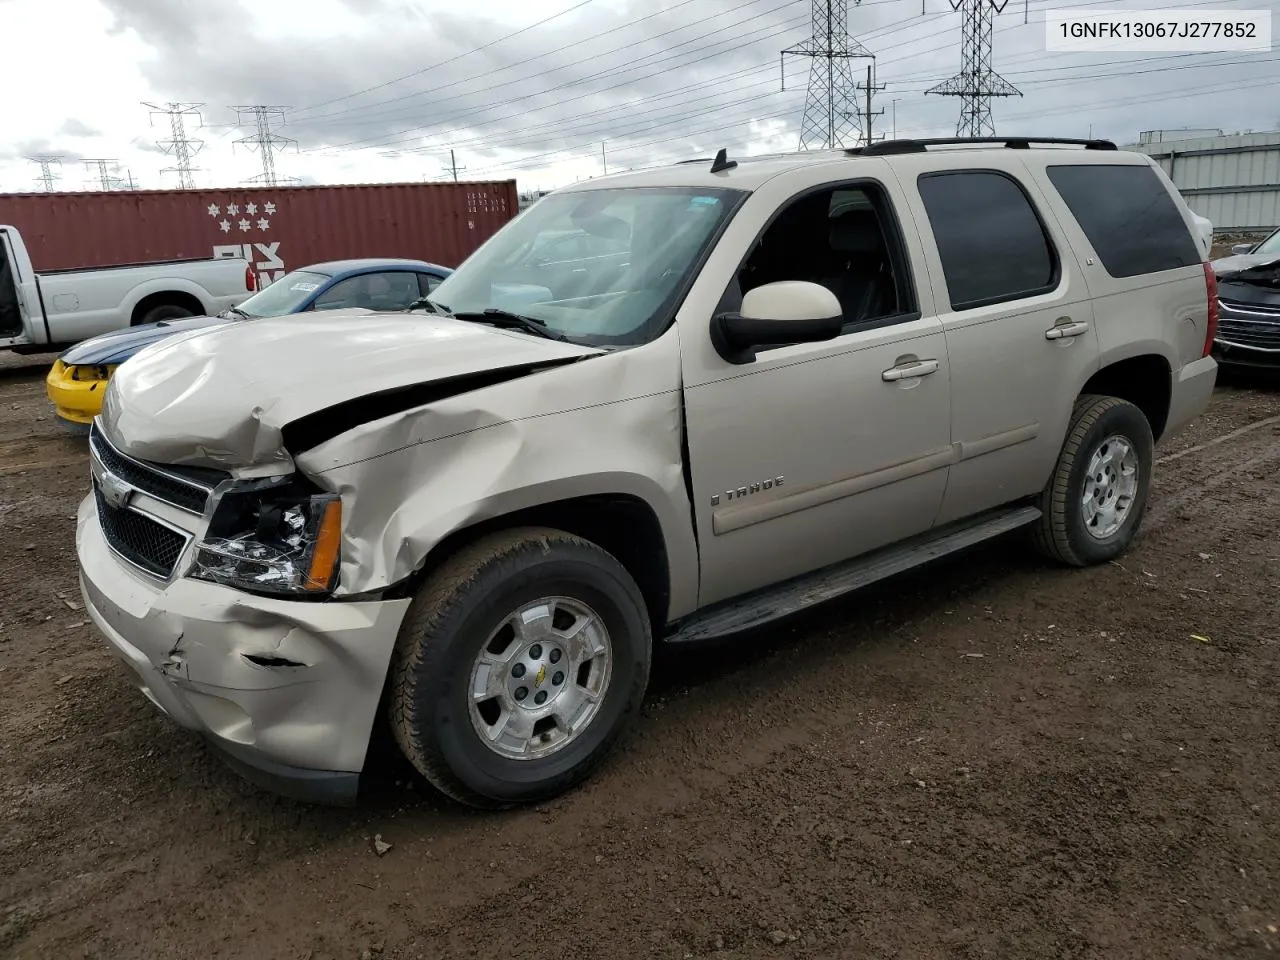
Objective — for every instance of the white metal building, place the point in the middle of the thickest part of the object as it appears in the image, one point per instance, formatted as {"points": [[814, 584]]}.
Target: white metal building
{"points": [[1233, 180]]}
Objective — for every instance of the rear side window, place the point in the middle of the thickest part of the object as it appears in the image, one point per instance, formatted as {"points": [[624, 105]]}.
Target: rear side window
{"points": [[991, 241], [1129, 217]]}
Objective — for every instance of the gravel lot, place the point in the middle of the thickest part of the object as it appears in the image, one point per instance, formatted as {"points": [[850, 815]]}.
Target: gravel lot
{"points": [[988, 758]]}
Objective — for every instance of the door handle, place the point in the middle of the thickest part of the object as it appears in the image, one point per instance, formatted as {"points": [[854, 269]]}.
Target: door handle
{"points": [[1065, 328], [909, 371]]}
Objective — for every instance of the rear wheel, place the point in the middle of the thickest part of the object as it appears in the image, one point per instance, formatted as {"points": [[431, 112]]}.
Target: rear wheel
{"points": [[166, 311], [1097, 495], [518, 665]]}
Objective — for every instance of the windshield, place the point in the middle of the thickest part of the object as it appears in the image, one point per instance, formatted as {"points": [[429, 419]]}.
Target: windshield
{"points": [[602, 267], [1271, 245], [284, 296]]}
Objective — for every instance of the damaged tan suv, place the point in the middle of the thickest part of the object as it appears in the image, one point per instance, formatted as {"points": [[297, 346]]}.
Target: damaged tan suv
{"points": [[753, 386]]}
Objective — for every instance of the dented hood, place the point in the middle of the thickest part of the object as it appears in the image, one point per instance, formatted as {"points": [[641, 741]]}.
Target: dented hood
{"points": [[221, 396]]}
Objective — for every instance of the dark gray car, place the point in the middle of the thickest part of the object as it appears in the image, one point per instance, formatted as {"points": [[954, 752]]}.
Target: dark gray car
{"points": [[1249, 304]]}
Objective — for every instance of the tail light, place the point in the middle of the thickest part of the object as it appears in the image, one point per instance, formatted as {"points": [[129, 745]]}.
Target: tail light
{"points": [[1211, 291], [250, 279]]}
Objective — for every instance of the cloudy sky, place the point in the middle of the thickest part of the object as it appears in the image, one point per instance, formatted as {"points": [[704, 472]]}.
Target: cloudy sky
{"points": [[382, 90]]}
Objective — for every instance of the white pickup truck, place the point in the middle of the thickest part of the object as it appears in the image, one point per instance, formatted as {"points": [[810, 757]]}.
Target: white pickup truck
{"points": [[45, 311]]}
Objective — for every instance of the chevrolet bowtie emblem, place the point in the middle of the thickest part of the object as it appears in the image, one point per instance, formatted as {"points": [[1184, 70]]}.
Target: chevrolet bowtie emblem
{"points": [[114, 490]]}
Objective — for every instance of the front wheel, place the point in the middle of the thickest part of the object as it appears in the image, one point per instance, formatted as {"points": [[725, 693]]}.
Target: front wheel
{"points": [[1097, 495], [520, 662]]}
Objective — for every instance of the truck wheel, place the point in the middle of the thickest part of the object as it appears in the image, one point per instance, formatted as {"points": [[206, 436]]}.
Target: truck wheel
{"points": [[1098, 492], [518, 665], [166, 311]]}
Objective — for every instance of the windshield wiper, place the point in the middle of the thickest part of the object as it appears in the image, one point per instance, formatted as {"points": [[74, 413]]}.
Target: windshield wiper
{"points": [[237, 311], [507, 319]]}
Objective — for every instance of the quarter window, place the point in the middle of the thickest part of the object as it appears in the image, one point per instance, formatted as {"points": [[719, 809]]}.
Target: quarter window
{"points": [[1128, 215], [991, 241]]}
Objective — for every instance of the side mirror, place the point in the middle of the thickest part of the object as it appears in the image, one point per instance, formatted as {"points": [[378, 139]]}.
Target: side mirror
{"points": [[1240, 249], [785, 312]]}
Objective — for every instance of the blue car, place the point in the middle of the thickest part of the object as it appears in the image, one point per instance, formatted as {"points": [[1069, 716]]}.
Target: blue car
{"points": [[78, 378]]}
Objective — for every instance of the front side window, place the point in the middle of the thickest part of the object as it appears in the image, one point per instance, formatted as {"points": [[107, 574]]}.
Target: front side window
{"points": [[286, 295], [991, 241], [1128, 216], [601, 267], [844, 238]]}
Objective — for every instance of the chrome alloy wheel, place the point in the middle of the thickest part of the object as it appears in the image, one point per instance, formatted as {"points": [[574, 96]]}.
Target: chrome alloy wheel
{"points": [[1110, 488], [540, 679]]}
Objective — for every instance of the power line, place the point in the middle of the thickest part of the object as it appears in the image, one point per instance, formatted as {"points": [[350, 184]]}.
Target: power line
{"points": [[454, 59], [683, 92], [718, 110], [453, 167], [868, 114], [664, 56], [542, 58], [830, 105], [47, 174], [265, 141], [756, 117], [977, 82], [105, 179], [612, 110], [609, 114], [179, 145]]}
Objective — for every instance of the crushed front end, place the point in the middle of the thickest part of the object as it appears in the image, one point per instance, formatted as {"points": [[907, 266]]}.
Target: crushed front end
{"points": [[214, 592], [1249, 315]]}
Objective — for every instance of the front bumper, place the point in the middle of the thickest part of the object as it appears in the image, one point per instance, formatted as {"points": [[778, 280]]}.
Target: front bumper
{"points": [[76, 392], [286, 691], [1237, 355]]}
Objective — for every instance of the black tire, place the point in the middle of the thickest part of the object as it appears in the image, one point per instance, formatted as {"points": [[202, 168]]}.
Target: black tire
{"points": [[166, 311], [1061, 533], [450, 621]]}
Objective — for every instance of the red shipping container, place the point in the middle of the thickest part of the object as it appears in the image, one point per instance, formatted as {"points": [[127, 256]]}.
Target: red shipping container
{"points": [[276, 228]]}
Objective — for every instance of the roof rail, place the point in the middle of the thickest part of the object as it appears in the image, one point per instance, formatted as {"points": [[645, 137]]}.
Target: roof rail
{"points": [[890, 147]]}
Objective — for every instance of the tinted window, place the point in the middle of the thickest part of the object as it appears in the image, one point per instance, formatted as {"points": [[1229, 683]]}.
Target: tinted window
{"points": [[1129, 217], [428, 282], [992, 245]]}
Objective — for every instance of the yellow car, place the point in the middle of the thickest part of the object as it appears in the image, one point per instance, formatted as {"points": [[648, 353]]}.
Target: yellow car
{"points": [[78, 378], [76, 391]]}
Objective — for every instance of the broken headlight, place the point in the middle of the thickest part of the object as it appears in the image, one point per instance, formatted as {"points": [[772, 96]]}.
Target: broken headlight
{"points": [[276, 538]]}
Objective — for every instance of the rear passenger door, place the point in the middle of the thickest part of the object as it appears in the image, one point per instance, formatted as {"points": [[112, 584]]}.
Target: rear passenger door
{"points": [[1018, 322]]}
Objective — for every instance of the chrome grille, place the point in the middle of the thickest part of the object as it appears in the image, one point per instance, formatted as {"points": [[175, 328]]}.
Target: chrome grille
{"points": [[1240, 306], [143, 541], [1250, 325], [181, 487]]}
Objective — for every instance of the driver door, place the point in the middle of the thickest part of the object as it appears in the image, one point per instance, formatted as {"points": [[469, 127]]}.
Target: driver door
{"points": [[816, 452], [11, 309]]}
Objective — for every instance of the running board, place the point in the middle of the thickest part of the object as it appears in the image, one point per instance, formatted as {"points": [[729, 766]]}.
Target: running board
{"points": [[800, 593]]}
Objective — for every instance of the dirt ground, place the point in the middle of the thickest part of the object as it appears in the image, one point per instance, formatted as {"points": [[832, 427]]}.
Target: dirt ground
{"points": [[988, 758]]}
